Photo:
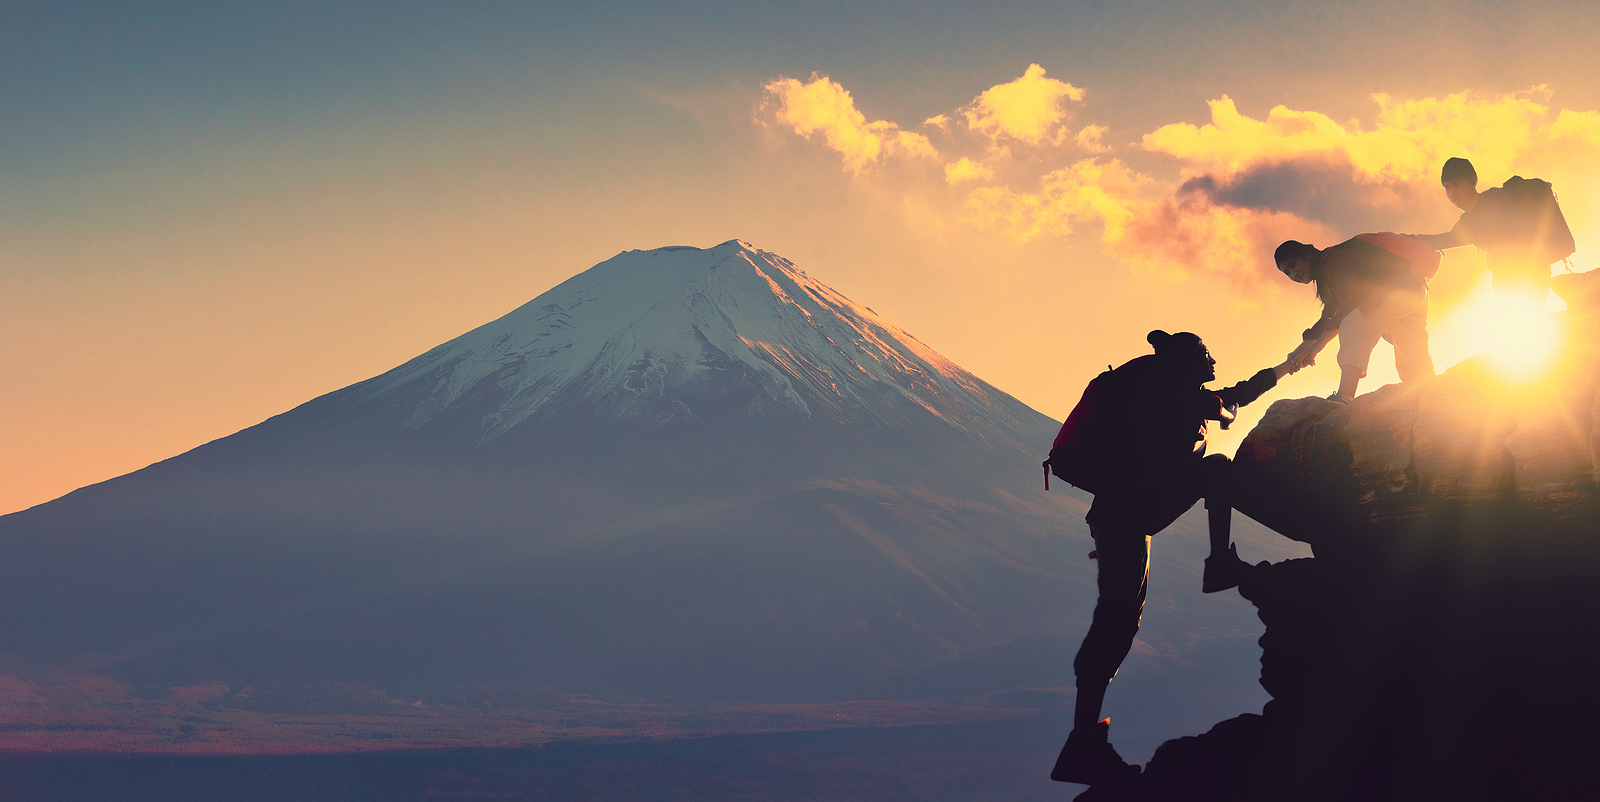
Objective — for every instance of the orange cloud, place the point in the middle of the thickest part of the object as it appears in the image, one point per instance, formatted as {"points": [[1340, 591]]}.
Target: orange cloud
{"points": [[1026, 109], [1190, 234], [1143, 223], [823, 107]]}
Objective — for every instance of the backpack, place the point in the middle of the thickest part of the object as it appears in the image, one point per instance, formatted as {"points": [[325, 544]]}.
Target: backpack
{"points": [[1422, 258], [1551, 238], [1083, 454]]}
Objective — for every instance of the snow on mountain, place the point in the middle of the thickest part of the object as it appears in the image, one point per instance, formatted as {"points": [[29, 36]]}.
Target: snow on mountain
{"points": [[637, 335]]}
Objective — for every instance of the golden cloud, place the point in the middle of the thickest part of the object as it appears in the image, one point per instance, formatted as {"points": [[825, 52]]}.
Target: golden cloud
{"points": [[1026, 109], [965, 169], [1409, 139], [1089, 191], [1241, 184], [1090, 139], [823, 107]]}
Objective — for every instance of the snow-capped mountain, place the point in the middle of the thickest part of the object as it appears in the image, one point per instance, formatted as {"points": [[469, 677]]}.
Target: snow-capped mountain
{"points": [[688, 472], [683, 334]]}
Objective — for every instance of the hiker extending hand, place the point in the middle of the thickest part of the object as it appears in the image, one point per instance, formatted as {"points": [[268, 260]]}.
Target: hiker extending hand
{"points": [[1137, 442], [1372, 287], [1519, 226]]}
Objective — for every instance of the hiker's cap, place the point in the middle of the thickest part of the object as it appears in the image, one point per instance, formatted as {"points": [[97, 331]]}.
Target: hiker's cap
{"points": [[1457, 167], [1170, 344]]}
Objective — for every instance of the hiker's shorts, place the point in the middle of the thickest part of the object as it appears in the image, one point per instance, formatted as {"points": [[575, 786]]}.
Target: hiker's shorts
{"points": [[1404, 317]]}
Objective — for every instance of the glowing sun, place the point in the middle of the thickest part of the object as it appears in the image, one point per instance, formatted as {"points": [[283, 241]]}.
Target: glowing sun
{"points": [[1516, 332]]}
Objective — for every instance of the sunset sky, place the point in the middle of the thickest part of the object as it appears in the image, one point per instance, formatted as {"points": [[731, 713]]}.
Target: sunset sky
{"points": [[209, 216]]}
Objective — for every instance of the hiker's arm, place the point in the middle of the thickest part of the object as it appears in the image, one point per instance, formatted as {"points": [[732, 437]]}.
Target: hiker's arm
{"points": [[1456, 236], [1316, 338], [1248, 390]]}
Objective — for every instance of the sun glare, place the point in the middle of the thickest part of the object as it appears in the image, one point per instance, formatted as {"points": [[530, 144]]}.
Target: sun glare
{"points": [[1517, 333]]}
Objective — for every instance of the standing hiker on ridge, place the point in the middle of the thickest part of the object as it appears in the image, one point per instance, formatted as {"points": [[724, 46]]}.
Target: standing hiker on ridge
{"points": [[1519, 225], [1372, 287], [1137, 442]]}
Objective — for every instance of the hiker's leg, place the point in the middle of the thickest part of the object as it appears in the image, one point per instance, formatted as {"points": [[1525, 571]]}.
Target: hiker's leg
{"points": [[1223, 568], [1357, 337], [1216, 471], [1412, 360], [1124, 573], [1091, 697]]}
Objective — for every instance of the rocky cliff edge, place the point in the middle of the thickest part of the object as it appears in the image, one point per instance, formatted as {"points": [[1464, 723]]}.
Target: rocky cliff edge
{"points": [[1442, 643]]}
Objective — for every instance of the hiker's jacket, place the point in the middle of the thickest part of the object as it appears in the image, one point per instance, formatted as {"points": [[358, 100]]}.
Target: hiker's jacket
{"points": [[1165, 434], [1356, 274]]}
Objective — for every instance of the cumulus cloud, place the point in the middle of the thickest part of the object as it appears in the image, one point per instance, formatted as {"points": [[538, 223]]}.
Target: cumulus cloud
{"points": [[965, 169], [1028, 109], [1088, 191], [1141, 222], [1090, 139], [1353, 177], [1324, 188], [822, 107], [1236, 185], [1408, 140], [1191, 235]]}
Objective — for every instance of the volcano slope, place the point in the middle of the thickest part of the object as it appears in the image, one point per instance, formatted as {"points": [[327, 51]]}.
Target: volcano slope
{"points": [[684, 476]]}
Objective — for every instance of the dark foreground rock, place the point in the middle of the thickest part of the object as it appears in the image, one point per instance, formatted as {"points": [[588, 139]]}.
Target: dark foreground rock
{"points": [[1442, 643]]}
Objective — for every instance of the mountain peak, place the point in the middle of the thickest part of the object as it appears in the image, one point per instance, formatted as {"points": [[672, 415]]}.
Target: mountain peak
{"points": [[682, 333]]}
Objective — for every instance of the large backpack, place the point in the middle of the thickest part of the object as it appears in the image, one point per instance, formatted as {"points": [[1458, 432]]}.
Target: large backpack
{"points": [[1551, 238], [1084, 452], [1422, 258]]}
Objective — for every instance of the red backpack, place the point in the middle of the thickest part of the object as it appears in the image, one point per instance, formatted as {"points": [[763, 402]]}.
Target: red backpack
{"points": [[1083, 454], [1422, 258]]}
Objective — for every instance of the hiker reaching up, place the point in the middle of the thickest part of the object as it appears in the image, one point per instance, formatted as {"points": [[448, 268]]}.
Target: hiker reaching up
{"points": [[1372, 287], [1137, 442], [1519, 226]]}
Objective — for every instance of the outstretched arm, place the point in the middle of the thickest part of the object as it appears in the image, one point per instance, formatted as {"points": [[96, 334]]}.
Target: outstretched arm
{"points": [[1250, 389], [1457, 235], [1306, 354]]}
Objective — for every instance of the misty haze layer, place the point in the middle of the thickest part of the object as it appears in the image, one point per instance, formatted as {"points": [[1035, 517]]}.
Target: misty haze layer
{"points": [[685, 473]]}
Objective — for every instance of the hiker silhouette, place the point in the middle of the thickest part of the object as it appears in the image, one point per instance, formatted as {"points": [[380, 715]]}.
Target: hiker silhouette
{"points": [[1137, 441], [1372, 287], [1519, 225]]}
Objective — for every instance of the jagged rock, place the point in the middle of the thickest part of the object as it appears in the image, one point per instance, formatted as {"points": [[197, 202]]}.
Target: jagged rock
{"points": [[1384, 464]]}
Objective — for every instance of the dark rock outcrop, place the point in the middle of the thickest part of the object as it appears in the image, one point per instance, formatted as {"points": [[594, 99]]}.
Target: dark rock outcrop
{"points": [[1442, 642]]}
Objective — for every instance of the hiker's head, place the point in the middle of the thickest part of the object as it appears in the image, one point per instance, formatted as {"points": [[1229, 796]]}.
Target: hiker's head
{"points": [[1294, 260], [1460, 182], [1187, 354]]}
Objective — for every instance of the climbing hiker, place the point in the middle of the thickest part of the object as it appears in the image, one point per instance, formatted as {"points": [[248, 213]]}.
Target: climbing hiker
{"points": [[1518, 225], [1137, 442], [1372, 287]]}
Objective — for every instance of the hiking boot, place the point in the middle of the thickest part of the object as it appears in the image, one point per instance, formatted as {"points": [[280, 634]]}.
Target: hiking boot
{"points": [[1338, 399], [1223, 571], [1088, 758]]}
